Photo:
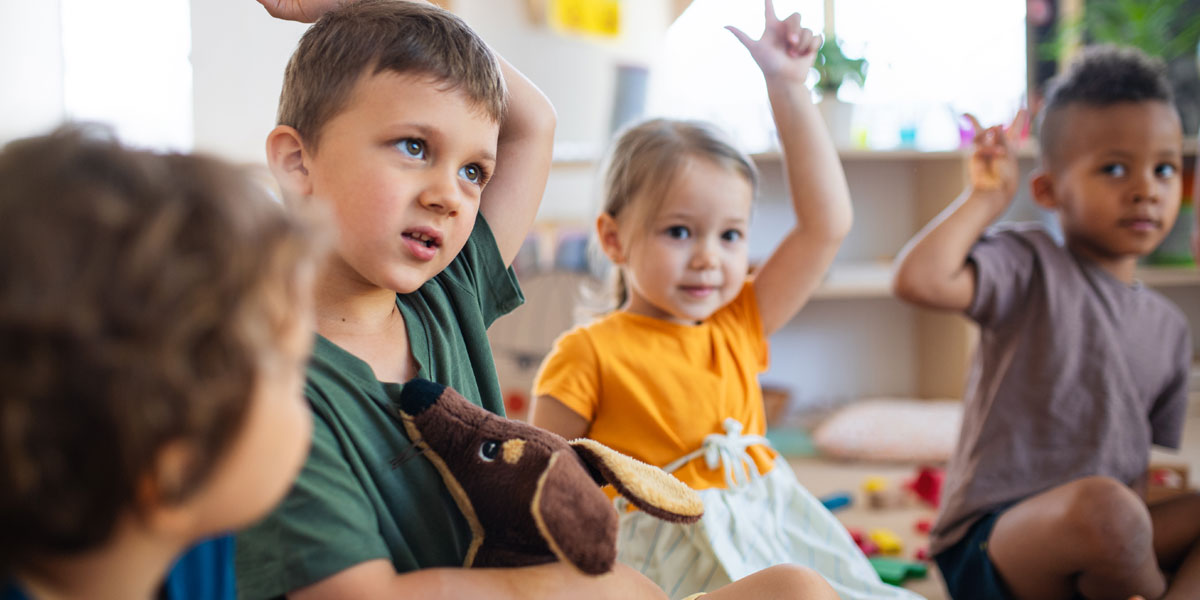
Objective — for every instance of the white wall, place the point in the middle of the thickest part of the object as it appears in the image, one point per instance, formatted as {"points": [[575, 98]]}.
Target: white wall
{"points": [[31, 67], [238, 56]]}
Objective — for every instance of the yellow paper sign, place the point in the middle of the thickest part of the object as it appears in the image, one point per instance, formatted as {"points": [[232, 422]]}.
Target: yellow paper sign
{"points": [[590, 17]]}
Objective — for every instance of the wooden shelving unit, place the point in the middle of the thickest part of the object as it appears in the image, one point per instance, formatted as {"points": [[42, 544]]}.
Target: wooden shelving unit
{"points": [[854, 339], [896, 192]]}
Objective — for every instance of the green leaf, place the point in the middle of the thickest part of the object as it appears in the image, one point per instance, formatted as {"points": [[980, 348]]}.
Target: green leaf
{"points": [[833, 67]]}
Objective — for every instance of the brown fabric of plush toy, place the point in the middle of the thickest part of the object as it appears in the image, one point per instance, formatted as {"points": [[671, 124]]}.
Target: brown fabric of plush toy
{"points": [[529, 495]]}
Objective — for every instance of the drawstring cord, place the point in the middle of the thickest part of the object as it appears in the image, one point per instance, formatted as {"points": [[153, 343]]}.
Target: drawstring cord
{"points": [[728, 450]]}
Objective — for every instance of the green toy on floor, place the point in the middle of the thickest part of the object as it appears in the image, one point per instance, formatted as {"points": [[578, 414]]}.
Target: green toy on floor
{"points": [[896, 571]]}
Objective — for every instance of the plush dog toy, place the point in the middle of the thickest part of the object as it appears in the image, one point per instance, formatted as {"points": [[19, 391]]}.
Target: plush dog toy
{"points": [[529, 495]]}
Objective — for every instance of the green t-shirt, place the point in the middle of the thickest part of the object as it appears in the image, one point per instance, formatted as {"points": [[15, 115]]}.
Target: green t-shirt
{"points": [[362, 495]]}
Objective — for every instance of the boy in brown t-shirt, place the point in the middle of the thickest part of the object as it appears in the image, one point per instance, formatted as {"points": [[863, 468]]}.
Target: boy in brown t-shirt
{"points": [[1080, 367]]}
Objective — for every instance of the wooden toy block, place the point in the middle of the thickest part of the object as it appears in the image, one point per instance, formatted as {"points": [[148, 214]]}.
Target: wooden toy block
{"points": [[837, 500], [888, 542], [895, 571]]}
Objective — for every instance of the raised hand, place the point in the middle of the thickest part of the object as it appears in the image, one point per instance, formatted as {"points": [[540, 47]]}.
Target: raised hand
{"points": [[993, 167], [785, 48], [304, 11]]}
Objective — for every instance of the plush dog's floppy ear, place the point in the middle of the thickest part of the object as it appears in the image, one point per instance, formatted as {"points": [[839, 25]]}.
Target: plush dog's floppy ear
{"points": [[576, 520], [649, 488]]}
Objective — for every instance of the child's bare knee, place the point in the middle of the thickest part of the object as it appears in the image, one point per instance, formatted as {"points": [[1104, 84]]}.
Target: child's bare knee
{"points": [[1109, 520], [796, 581]]}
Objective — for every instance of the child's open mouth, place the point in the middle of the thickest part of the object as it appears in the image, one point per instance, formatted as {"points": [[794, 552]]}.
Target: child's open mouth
{"points": [[421, 238], [422, 244]]}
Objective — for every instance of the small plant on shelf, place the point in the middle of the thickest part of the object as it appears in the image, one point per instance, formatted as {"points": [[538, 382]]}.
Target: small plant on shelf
{"points": [[1167, 29], [833, 68]]}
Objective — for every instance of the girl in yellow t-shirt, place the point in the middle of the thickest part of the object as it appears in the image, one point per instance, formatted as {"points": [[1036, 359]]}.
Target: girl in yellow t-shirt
{"points": [[670, 377]]}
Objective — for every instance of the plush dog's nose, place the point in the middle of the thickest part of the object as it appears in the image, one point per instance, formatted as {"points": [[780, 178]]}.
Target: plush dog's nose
{"points": [[418, 395]]}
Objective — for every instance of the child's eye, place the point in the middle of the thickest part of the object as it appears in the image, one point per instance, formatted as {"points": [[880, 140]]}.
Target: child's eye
{"points": [[473, 173], [1115, 169], [678, 232], [1165, 170], [414, 147], [731, 235]]}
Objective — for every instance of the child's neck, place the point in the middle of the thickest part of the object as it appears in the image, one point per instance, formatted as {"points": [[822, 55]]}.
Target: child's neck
{"points": [[1120, 267], [131, 566], [350, 305], [365, 322]]}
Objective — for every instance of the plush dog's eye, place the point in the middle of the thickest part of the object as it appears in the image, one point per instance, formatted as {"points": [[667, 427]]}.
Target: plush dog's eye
{"points": [[489, 449]]}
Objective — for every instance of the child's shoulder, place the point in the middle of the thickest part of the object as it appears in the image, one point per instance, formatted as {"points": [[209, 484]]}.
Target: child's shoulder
{"points": [[1032, 234], [1022, 246]]}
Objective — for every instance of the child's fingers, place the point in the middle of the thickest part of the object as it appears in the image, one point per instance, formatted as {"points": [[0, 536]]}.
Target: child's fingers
{"points": [[769, 8], [797, 39], [809, 43], [975, 126], [818, 40], [746, 40], [1017, 127], [792, 29], [994, 139]]}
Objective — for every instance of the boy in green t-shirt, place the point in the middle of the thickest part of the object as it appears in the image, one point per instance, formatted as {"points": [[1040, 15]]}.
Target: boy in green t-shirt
{"points": [[399, 120]]}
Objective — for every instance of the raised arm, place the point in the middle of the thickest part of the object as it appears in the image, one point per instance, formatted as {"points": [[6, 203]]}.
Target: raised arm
{"points": [[377, 579], [820, 196], [932, 269], [511, 199]]}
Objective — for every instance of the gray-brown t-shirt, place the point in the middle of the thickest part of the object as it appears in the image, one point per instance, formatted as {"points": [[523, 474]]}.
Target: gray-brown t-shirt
{"points": [[1077, 374]]}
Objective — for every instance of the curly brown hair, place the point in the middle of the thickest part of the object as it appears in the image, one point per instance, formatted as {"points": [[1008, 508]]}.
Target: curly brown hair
{"points": [[373, 36], [1102, 75], [140, 296]]}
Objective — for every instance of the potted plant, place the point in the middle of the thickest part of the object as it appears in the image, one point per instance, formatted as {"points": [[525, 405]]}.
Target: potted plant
{"points": [[833, 68], [1167, 29]]}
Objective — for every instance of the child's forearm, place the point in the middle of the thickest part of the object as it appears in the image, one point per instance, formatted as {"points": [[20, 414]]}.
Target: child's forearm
{"points": [[523, 157], [820, 199], [530, 114], [378, 579], [819, 192], [932, 269], [554, 580]]}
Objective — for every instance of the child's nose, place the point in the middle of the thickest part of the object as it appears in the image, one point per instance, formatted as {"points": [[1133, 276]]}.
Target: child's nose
{"points": [[442, 194], [1146, 188], [704, 256]]}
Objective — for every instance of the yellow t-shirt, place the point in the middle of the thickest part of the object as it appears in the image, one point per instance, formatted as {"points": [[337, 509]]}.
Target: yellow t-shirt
{"points": [[654, 389]]}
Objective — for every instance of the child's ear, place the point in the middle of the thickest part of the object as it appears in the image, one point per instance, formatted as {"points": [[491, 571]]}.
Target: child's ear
{"points": [[610, 240], [1042, 187], [157, 500], [287, 156]]}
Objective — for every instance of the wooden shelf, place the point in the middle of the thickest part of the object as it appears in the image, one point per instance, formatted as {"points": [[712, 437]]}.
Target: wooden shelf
{"points": [[579, 155], [873, 279], [856, 280], [1168, 276]]}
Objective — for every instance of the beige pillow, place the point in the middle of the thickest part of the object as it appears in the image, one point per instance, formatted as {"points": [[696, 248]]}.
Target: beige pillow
{"points": [[891, 429]]}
